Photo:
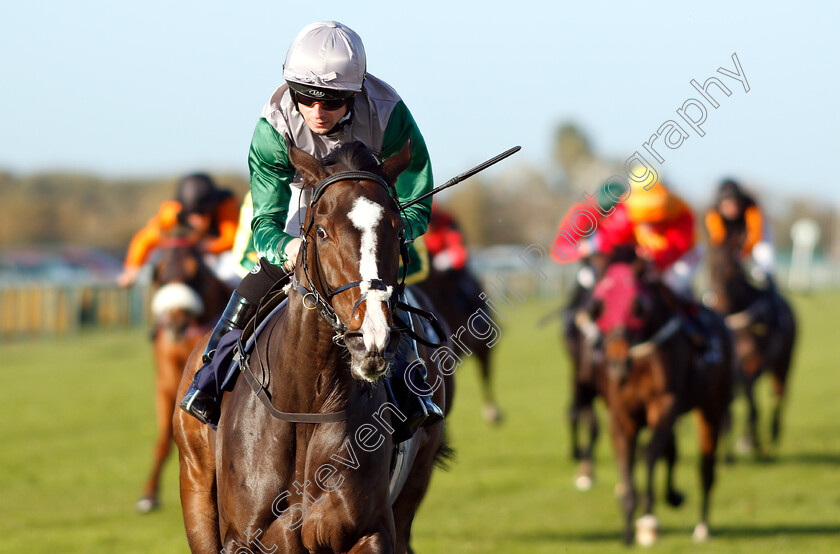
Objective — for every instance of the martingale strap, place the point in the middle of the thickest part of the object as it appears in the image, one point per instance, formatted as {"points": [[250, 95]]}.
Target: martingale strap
{"points": [[291, 417]]}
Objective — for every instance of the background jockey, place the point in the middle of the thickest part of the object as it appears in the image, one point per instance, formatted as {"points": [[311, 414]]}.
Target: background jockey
{"points": [[211, 213], [448, 254], [444, 241], [663, 230], [660, 226], [328, 99], [736, 215]]}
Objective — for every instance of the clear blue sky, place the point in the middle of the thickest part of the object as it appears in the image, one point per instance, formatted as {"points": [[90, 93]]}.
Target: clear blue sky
{"points": [[162, 87]]}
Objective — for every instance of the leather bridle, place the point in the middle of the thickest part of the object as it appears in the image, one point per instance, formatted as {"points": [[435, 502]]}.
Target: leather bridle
{"points": [[315, 300]]}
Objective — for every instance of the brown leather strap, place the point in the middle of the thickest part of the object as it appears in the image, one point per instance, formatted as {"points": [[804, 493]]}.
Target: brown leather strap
{"points": [[259, 390]]}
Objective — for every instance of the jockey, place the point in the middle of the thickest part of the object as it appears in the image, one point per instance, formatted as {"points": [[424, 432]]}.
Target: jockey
{"points": [[736, 214], [445, 241], [660, 226], [211, 213], [663, 230], [328, 99]]}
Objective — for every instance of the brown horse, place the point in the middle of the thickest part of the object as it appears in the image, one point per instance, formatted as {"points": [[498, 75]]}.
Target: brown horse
{"points": [[456, 296], [315, 477], [764, 328], [187, 301], [649, 376]]}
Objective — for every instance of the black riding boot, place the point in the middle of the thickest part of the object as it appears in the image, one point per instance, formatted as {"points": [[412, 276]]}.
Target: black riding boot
{"points": [[203, 397], [406, 386]]}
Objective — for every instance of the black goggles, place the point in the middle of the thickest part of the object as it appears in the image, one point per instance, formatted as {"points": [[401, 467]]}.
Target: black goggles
{"points": [[327, 103]]}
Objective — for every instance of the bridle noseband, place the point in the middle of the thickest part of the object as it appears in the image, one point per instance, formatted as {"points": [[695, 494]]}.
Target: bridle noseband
{"points": [[312, 298]]}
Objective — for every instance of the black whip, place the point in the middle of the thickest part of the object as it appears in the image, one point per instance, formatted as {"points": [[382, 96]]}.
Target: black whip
{"points": [[464, 175]]}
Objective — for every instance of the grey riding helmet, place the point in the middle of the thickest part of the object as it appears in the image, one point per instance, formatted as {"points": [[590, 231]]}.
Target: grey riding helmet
{"points": [[326, 60]]}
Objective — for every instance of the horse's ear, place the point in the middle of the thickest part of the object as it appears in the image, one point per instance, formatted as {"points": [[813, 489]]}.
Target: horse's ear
{"points": [[397, 163], [312, 170]]}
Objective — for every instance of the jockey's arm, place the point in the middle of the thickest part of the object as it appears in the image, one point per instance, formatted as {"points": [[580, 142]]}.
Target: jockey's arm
{"points": [[715, 228], [664, 244], [271, 176], [149, 236], [145, 240], [755, 227], [227, 218], [416, 180]]}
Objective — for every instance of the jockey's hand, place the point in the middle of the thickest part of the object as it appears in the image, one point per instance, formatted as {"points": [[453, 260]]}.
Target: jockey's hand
{"points": [[128, 276], [291, 251]]}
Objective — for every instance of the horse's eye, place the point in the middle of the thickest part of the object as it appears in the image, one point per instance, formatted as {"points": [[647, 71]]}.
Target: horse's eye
{"points": [[401, 234], [322, 234]]}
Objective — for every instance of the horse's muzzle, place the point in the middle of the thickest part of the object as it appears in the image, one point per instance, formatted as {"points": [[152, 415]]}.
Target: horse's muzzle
{"points": [[370, 365]]}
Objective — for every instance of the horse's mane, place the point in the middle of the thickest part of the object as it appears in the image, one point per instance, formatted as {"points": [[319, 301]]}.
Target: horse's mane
{"points": [[354, 156]]}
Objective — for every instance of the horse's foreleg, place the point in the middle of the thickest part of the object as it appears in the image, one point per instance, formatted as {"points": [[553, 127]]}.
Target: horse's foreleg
{"points": [[583, 411], [673, 496], [197, 461], [574, 421], [198, 487], [780, 372], [661, 418], [376, 543], [751, 441], [490, 410], [708, 430], [624, 442], [167, 377]]}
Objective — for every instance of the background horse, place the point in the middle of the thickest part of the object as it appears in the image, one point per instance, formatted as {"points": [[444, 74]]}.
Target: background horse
{"points": [[455, 294], [579, 341], [317, 479], [188, 299], [649, 377], [764, 329]]}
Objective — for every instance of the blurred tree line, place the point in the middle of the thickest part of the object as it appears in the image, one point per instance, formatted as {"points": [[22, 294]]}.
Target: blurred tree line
{"points": [[524, 201], [70, 208], [512, 207]]}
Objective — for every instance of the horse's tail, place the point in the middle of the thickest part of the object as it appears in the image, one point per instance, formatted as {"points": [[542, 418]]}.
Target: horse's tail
{"points": [[445, 454]]}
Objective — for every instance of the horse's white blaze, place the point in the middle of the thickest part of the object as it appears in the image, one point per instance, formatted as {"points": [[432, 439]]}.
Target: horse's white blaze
{"points": [[365, 216]]}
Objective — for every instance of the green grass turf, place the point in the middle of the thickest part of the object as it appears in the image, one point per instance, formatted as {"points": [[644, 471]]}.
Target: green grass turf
{"points": [[77, 428]]}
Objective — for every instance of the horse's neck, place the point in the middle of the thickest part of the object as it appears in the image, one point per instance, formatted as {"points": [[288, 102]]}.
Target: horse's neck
{"points": [[663, 309], [739, 292], [309, 373]]}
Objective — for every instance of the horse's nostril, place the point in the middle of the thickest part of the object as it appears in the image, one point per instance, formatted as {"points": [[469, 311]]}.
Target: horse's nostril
{"points": [[355, 342]]}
